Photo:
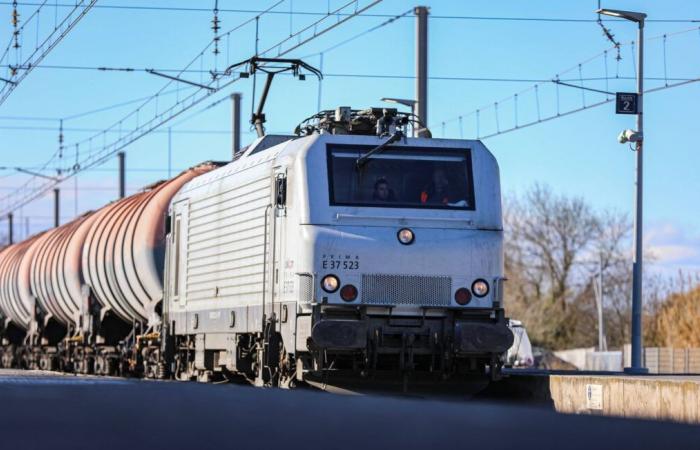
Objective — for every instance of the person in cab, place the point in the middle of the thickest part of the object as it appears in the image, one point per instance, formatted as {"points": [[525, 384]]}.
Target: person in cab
{"points": [[438, 191], [382, 191]]}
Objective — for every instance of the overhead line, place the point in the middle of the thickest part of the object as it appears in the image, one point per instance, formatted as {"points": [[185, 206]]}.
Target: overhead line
{"points": [[43, 49], [324, 13], [115, 169], [94, 130], [391, 20], [26, 22], [344, 75], [583, 108], [128, 139], [94, 159]]}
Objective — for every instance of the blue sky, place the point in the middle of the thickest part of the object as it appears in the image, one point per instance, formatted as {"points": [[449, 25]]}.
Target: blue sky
{"points": [[576, 155]]}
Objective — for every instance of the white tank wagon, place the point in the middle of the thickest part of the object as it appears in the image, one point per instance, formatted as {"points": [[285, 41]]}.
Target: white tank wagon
{"points": [[123, 253], [17, 303], [56, 275], [309, 257], [16, 298]]}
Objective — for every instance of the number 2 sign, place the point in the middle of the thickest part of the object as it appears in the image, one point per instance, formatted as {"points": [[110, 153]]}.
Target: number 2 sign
{"points": [[625, 103]]}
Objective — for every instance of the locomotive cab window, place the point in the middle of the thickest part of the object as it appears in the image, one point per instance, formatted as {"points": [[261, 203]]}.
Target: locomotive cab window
{"points": [[402, 178]]}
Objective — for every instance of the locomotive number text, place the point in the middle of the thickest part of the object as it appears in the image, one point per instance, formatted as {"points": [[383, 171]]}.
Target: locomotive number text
{"points": [[336, 264], [340, 262]]}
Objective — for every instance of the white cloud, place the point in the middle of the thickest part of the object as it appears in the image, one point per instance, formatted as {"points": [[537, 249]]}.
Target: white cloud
{"points": [[673, 248]]}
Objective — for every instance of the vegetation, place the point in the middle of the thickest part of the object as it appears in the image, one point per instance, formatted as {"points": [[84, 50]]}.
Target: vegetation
{"points": [[559, 250], [675, 322], [556, 249]]}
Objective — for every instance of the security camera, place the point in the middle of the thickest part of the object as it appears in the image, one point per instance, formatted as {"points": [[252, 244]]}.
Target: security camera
{"points": [[629, 136]]}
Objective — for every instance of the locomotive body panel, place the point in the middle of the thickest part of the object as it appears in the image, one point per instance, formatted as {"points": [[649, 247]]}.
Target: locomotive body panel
{"points": [[219, 233]]}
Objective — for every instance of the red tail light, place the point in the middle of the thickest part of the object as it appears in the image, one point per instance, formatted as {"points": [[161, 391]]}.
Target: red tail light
{"points": [[348, 293], [463, 296]]}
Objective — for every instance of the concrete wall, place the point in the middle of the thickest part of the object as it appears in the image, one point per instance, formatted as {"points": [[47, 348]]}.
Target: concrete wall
{"points": [[575, 356], [604, 361], [589, 359], [662, 398]]}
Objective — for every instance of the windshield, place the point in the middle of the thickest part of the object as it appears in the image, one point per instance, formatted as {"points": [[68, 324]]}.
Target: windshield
{"points": [[402, 178]]}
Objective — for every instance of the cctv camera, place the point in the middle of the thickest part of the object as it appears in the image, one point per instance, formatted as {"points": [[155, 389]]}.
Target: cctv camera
{"points": [[629, 136]]}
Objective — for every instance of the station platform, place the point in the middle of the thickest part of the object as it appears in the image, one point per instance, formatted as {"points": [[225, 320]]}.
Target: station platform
{"points": [[60, 411], [661, 397]]}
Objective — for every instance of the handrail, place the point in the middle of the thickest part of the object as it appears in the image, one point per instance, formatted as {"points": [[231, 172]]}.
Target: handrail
{"points": [[264, 287]]}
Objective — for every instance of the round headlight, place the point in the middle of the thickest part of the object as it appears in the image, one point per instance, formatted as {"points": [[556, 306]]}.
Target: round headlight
{"points": [[348, 293], [480, 288], [330, 283], [405, 236], [463, 296]]}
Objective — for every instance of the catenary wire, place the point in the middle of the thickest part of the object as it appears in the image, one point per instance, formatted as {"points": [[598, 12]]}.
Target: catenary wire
{"points": [[322, 13]]}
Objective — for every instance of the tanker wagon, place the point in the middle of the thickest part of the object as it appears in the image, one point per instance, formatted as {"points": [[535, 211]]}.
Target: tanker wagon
{"points": [[75, 297]]}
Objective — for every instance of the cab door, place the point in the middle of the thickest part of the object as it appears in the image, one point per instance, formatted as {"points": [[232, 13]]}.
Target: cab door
{"points": [[279, 235], [177, 257]]}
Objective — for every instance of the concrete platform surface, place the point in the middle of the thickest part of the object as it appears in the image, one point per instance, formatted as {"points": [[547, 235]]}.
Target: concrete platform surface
{"points": [[41, 411], [661, 397]]}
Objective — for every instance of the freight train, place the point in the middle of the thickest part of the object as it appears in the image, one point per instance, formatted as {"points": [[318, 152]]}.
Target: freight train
{"points": [[346, 248]]}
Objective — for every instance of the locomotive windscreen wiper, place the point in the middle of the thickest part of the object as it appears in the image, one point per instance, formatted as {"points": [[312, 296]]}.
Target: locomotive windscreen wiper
{"points": [[362, 160]]}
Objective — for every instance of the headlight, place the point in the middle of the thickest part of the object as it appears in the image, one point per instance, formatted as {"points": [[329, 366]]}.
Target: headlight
{"points": [[480, 288], [330, 283], [405, 236]]}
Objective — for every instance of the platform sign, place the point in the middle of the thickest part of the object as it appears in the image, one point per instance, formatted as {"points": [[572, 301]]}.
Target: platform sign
{"points": [[626, 103], [594, 396]]}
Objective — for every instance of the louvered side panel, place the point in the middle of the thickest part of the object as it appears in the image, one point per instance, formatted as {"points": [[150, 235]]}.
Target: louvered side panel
{"points": [[225, 240]]}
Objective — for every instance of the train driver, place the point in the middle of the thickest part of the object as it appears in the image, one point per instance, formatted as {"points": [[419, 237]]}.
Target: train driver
{"points": [[382, 191], [438, 191]]}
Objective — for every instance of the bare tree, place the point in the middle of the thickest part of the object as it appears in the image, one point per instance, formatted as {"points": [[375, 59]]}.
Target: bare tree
{"points": [[555, 247]]}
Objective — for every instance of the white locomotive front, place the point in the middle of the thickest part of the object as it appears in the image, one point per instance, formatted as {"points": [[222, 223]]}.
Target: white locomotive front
{"points": [[339, 251]]}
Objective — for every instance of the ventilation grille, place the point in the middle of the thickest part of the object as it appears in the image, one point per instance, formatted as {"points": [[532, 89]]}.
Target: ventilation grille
{"points": [[306, 293], [378, 289]]}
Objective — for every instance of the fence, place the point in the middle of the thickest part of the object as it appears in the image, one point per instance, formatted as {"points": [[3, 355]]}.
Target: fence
{"points": [[656, 359], [669, 360]]}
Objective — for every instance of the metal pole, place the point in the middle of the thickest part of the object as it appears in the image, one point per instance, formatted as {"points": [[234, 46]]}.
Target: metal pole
{"points": [[320, 84], [421, 13], [170, 152], [602, 344], [10, 231], [637, 364], [236, 123], [122, 174], [75, 195], [56, 207]]}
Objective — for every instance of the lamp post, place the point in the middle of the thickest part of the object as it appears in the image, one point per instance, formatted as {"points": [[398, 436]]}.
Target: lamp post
{"points": [[636, 366]]}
